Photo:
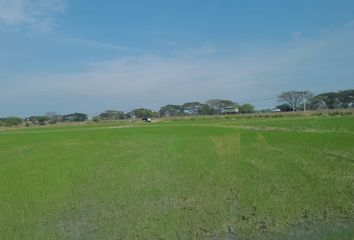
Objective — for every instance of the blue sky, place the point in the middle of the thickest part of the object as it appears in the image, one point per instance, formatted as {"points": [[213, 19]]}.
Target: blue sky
{"points": [[90, 56]]}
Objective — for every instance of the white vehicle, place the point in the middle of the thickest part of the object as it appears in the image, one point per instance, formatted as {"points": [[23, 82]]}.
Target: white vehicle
{"points": [[146, 119], [230, 110]]}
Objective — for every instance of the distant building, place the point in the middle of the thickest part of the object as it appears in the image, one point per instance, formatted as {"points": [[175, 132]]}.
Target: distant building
{"points": [[230, 110]]}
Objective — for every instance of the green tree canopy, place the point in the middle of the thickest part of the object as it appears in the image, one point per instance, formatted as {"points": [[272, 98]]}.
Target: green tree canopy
{"points": [[39, 120], [343, 99], [192, 108], [54, 117], [140, 113], [10, 121], [205, 109], [247, 108], [218, 105], [112, 115], [329, 98], [171, 110], [75, 117], [284, 107], [346, 98]]}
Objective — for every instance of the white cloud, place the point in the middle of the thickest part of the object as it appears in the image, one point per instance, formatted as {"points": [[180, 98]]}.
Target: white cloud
{"points": [[36, 15], [321, 63], [98, 44]]}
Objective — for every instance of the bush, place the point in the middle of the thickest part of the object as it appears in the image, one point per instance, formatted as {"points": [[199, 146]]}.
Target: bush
{"points": [[96, 119], [334, 113], [10, 121]]}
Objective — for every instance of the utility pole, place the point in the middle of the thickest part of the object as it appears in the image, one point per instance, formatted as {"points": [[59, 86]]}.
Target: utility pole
{"points": [[303, 96]]}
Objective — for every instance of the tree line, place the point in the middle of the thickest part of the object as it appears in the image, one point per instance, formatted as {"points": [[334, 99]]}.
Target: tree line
{"points": [[289, 101], [305, 100], [210, 107], [49, 118]]}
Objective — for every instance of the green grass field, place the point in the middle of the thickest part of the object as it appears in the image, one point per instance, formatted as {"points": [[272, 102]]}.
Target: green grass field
{"points": [[281, 178]]}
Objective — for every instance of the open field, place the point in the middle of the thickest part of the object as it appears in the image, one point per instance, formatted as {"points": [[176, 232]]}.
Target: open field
{"points": [[207, 178]]}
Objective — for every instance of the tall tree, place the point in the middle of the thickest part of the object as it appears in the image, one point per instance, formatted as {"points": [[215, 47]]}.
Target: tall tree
{"points": [[284, 107], [39, 120], [295, 99], [346, 98], [171, 110], [192, 107], [75, 117], [112, 115], [205, 109], [10, 121], [333, 100], [247, 108], [140, 113], [329, 98], [218, 105], [53, 117]]}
